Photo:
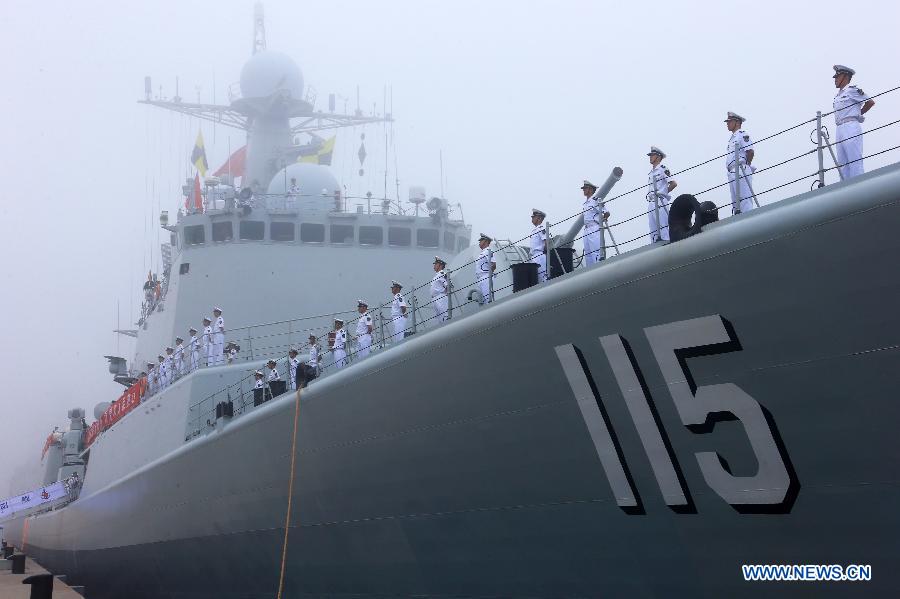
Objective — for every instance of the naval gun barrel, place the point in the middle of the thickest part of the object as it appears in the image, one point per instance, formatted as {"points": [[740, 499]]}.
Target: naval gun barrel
{"points": [[600, 194]]}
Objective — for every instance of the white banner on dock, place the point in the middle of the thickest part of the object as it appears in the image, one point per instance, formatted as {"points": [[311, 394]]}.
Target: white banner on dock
{"points": [[32, 499]]}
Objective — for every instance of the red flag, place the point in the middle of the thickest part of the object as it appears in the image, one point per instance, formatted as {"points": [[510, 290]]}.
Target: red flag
{"points": [[235, 164], [198, 199]]}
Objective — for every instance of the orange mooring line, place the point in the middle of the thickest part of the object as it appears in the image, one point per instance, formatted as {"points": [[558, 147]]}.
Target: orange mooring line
{"points": [[287, 518]]}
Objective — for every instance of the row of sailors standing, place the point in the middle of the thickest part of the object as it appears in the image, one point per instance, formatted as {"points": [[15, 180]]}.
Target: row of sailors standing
{"points": [[849, 104], [298, 371], [180, 360]]}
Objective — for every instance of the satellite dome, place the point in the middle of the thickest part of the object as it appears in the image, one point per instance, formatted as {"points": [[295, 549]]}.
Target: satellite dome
{"points": [[269, 72], [317, 184]]}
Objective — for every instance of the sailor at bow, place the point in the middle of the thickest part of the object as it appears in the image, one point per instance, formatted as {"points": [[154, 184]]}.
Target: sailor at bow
{"points": [[399, 309], [741, 170], [485, 265], [594, 214], [850, 104], [440, 286], [661, 185], [538, 243], [338, 343], [363, 329]]}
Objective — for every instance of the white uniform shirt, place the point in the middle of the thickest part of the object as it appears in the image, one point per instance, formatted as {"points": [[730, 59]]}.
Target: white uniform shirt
{"points": [[340, 339], [295, 190], [179, 355], [169, 367], [483, 263], [397, 306], [207, 335], [538, 241], [294, 363], [259, 384], [593, 214], [660, 175], [439, 284], [848, 105], [740, 141], [272, 375], [313, 356], [194, 343], [220, 326], [363, 324]]}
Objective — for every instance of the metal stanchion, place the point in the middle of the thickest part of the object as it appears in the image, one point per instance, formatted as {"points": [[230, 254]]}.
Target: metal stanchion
{"points": [[736, 198]]}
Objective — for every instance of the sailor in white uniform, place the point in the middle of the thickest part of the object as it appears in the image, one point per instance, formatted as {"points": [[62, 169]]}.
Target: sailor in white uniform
{"points": [[440, 286], [169, 363], [661, 185], [399, 308], [363, 329], [538, 243], [593, 212], [272, 373], [162, 377], [152, 378], [485, 265], [218, 338], [312, 364], [206, 340], [293, 364], [180, 366], [338, 345], [194, 349], [259, 384], [740, 142], [850, 104]]}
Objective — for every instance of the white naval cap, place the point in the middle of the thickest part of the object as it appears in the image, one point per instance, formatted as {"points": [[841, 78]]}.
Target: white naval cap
{"points": [[258, 373], [207, 318], [340, 320], [840, 69], [483, 237], [588, 184], [536, 212], [170, 348], [734, 116], [271, 362], [655, 150], [177, 339], [161, 357], [192, 329], [396, 284], [151, 364], [293, 350], [439, 259], [360, 303], [311, 336], [217, 309]]}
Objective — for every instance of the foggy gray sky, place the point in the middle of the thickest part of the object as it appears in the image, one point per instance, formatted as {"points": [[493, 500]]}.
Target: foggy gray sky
{"points": [[523, 99]]}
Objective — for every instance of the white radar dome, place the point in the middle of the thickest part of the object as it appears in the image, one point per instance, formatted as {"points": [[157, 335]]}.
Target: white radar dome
{"points": [[269, 72]]}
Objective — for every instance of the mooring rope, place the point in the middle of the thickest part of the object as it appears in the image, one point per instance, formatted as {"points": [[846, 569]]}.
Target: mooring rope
{"points": [[287, 517]]}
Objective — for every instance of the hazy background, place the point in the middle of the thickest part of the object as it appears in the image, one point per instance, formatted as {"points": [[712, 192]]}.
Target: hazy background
{"points": [[524, 100]]}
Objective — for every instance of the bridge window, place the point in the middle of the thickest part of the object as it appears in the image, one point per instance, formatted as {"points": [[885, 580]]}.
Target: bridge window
{"points": [[449, 241], [282, 231], [252, 230], [400, 236], [342, 234], [371, 235], [194, 235], [312, 232], [222, 231], [427, 238]]}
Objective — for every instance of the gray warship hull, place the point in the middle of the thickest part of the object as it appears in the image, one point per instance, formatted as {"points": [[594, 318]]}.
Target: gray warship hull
{"points": [[467, 461]]}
